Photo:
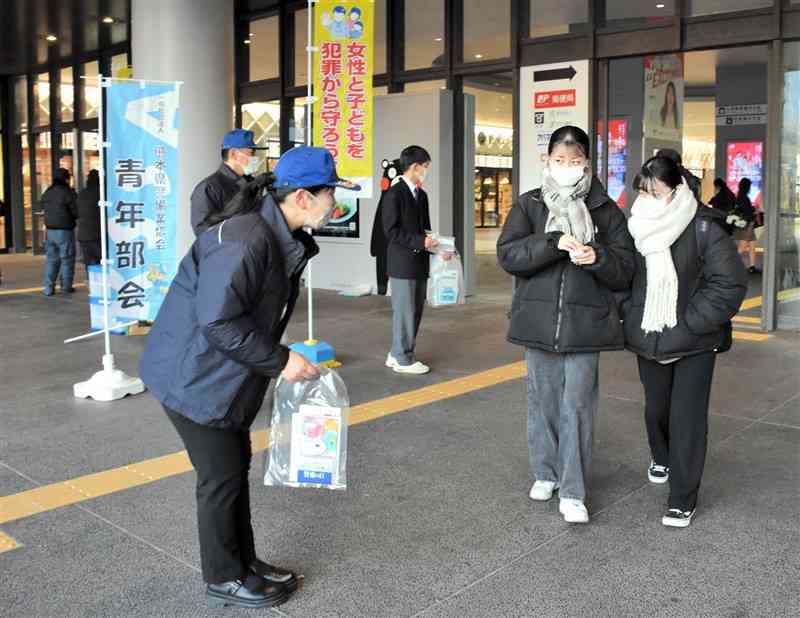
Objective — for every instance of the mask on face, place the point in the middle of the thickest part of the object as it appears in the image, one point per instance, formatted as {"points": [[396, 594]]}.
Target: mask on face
{"points": [[321, 221], [251, 167], [566, 176], [649, 202]]}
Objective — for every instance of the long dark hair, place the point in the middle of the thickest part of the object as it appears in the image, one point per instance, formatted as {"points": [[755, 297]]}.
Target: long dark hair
{"points": [[251, 197], [745, 184], [658, 168], [665, 107]]}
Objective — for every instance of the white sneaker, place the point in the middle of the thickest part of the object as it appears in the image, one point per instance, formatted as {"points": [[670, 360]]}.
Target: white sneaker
{"points": [[417, 369], [574, 511], [542, 490], [391, 363]]}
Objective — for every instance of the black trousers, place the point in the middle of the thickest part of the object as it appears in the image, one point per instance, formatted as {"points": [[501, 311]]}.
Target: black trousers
{"points": [[221, 458], [676, 414]]}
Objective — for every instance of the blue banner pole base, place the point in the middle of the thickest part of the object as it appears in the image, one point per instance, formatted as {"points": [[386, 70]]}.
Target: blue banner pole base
{"points": [[318, 352]]}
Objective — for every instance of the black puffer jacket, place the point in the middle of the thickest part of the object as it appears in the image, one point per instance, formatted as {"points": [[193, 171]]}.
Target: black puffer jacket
{"points": [[560, 307], [59, 205], [711, 289], [89, 213]]}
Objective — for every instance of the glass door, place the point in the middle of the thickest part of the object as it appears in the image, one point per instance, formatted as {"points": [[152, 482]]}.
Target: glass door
{"points": [[42, 179]]}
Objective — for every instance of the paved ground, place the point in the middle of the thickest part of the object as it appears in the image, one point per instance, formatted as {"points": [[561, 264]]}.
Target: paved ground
{"points": [[436, 521]]}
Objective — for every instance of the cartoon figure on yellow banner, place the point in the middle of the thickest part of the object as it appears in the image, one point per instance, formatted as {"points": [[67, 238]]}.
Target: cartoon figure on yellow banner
{"points": [[356, 26], [337, 26]]}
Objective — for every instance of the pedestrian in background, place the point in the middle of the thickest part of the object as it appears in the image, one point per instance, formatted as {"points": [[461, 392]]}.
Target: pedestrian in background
{"points": [[60, 218], [89, 221]]}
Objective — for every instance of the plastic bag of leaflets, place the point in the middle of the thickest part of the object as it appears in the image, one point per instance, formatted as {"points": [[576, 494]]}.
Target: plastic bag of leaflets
{"points": [[308, 436], [446, 281]]}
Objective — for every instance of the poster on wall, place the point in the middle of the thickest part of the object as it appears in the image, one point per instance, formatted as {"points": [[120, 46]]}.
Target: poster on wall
{"points": [[344, 221], [551, 96], [617, 160], [663, 97], [745, 160], [343, 115], [142, 179]]}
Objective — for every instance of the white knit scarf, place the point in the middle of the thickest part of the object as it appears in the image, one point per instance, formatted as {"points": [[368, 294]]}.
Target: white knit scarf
{"points": [[567, 206], [655, 226]]}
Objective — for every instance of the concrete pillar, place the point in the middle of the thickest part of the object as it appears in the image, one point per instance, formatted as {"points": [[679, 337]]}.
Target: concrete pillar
{"points": [[189, 41]]}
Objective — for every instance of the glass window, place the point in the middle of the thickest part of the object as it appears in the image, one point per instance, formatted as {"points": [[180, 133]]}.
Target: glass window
{"points": [[434, 84], [27, 201], [20, 104], [634, 13], [44, 178], [788, 258], [300, 43], [487, 30], [424, 28], [554, 17], [119, 66], [90, 90], [379, 61], [262, 42], [709, 7], [66, 153], [264, 120], [90, 151], [41, 100], [67, 95]]}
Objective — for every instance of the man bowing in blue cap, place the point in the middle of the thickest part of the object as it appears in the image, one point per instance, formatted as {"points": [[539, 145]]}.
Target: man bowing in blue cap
{"points": [[239, 163]]}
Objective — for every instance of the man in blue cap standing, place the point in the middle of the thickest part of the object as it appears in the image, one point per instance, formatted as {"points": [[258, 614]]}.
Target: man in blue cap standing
{"points": [[239, 163], [215, 346]]}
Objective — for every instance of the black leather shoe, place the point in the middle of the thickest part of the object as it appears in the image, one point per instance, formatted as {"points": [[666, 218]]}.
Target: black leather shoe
{"points": [[275, 575], [255, 594]]}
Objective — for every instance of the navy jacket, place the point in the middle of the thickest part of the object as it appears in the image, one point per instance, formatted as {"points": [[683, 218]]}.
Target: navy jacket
{"points": [[405, 221], [216, 341]]}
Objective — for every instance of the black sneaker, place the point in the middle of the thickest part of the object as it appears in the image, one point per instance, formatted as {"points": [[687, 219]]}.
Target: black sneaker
{"points": [[657, 474], [276, 575], [254, 593], [677, 518]]}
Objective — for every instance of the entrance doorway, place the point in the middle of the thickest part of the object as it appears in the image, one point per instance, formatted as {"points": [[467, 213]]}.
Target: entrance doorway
{"points": [[493, 179], [711, 107]]}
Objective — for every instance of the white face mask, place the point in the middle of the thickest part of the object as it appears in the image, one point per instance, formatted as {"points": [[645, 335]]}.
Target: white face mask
{"points": [[323, 220], [567, 176], [251, 167], [649, 202]]}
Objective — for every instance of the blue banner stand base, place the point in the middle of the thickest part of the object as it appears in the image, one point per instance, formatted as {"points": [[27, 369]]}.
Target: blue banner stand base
{"points": [[318, 352]]}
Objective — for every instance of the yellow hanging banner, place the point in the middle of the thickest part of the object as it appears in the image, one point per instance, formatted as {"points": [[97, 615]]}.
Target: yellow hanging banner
{"points": [[343, 34]]}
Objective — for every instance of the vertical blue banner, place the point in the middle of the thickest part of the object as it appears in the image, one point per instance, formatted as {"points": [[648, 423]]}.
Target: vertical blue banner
{"points": [[141, 167]]}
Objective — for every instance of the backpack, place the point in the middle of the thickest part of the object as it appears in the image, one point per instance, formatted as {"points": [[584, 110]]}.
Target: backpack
{"points": [[702, 230]]}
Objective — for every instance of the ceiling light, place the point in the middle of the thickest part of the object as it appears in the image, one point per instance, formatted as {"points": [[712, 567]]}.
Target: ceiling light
{"points": [[52, 38], [251, 34], [479, 56], [247, 41], [108, 20], [438, 39], [660, 5]]}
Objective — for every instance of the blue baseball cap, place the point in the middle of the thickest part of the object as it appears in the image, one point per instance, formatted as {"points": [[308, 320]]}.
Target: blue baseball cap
{"points": [[240, 138], [305, 166]]}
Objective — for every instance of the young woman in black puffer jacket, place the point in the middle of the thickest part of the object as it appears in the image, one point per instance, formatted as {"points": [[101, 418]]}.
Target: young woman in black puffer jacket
{"points": [[568, 245], [689, 283]]}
